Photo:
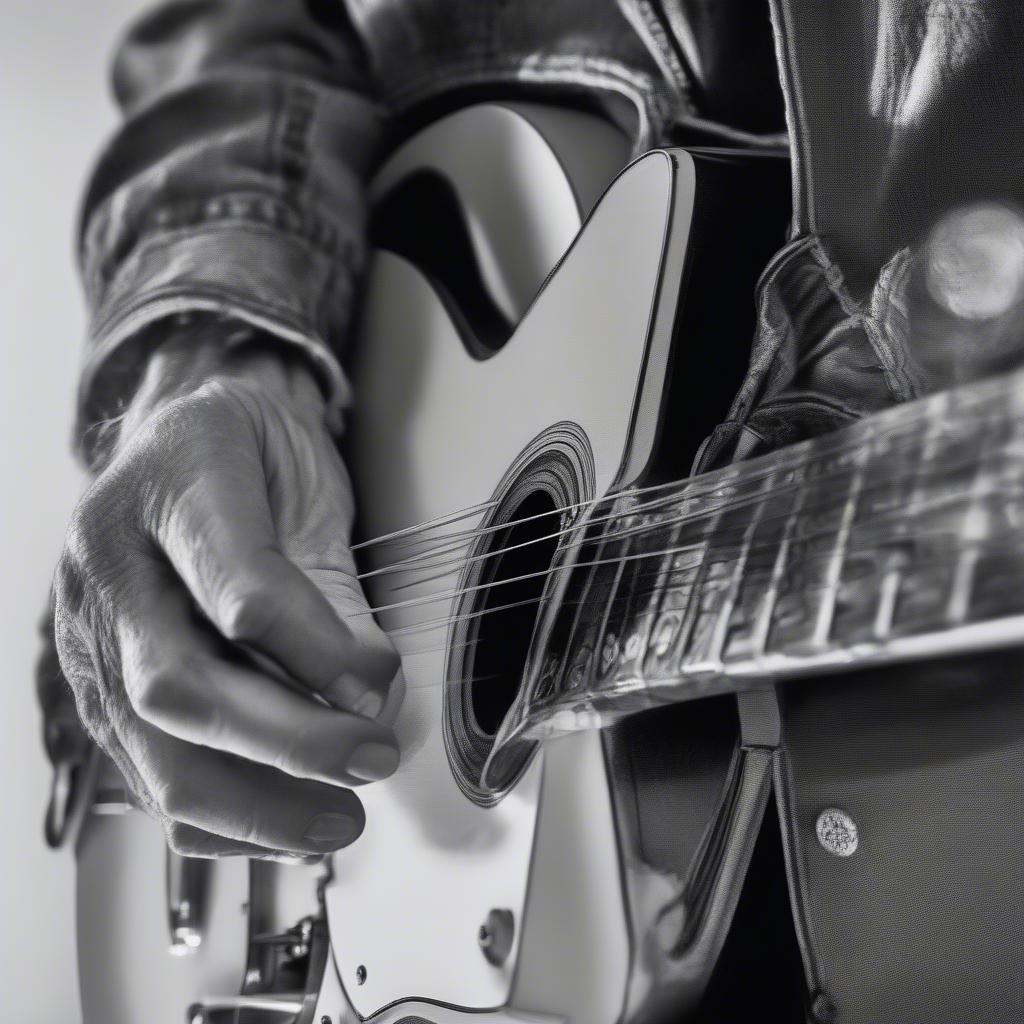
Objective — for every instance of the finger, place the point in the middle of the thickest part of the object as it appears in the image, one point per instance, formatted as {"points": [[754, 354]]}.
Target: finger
{"points": [[175, 680], [220, 539], [350, 691], [240, 800], [190, 841]]}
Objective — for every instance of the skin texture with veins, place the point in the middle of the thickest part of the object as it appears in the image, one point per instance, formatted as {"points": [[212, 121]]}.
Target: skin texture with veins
{"points": [[206, 610]]}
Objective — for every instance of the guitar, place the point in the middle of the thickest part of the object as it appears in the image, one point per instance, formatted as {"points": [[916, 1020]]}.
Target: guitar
{"points": [[537, 361]]}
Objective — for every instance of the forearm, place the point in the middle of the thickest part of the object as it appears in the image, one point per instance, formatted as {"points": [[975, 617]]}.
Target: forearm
{"points": [[233, 188]]}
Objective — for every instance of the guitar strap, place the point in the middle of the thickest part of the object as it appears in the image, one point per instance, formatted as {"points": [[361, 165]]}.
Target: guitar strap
{"points": [[760, 721]]}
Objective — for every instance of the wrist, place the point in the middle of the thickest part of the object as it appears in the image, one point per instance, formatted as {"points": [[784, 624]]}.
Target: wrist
{"points": [[202, 349]]}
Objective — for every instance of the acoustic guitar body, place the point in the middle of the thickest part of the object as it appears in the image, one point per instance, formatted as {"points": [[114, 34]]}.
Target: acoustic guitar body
{"points": [[528, 341]]}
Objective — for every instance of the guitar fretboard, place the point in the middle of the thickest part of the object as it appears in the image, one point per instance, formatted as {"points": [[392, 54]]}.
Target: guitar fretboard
{"points": [[899, 537]]}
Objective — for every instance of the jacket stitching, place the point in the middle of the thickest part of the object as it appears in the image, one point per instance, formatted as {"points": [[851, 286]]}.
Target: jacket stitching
{"points": [[344, 259], [856, 316], [253, 209], [653, 108], [651, 30]]}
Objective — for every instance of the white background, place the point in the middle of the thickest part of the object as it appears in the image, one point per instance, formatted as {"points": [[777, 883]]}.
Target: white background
{"points": [[54, 112]]}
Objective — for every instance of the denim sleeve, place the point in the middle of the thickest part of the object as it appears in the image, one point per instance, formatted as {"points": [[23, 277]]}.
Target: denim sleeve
{"points": [[233, 185]]}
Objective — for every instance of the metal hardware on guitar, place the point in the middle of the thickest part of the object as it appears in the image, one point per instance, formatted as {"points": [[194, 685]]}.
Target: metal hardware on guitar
{"points": [[250, 1009], [282, 981], [187, 878]]}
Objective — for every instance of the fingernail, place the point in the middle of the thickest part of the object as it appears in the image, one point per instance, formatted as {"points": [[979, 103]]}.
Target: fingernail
{"points": [[370, 704], [373, 761], [332, 830], [353, 695]]}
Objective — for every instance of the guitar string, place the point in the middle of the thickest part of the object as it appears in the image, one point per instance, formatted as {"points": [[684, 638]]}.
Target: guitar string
{"points": [[683, 576], [684, 491], [818, 585], [629, 513], [458, 562], [460, 539], [426, 528], [909, 431], [740, 502], [905, 434], [606, 602], [430, 524], [681, 520], [680, 486], [701, 486]]}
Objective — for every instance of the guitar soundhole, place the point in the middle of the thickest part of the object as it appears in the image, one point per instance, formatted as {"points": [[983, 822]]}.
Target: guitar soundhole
{"points": [[509, 609], [503, 583]]}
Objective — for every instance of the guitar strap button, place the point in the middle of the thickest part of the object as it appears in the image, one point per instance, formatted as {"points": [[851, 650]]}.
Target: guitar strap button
{"points": [[837, 832]]}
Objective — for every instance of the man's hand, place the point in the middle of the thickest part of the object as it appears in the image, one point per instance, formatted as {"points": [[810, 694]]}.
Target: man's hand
{"points": [[208, 618]]}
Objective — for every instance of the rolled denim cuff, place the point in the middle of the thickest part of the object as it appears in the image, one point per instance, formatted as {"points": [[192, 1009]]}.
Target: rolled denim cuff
{"points": [[290, 286]]}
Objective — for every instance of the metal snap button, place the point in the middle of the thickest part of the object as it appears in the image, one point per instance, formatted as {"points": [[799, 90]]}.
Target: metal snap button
{"points": [[837, 832]]}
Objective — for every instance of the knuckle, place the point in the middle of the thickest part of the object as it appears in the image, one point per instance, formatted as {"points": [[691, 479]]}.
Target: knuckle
{"points": [[292, 756], [247, 616], [175, 693], [156, 693], [172, 799]]}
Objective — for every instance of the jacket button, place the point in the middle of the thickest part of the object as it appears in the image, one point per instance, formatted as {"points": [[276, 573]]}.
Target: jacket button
{"points": [[837, 832]]}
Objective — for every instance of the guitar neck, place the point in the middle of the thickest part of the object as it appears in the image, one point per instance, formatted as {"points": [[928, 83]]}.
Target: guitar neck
{"points": [[899, 537]]}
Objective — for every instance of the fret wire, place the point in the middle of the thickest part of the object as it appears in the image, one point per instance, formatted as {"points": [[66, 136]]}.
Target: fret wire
{"points": [[919, 503], [628, 538], [666, 572], [691, 618], [764, 622], [973, 528], [569, 654], [892, 581], [721, 628], [826, 609], [934, 422], [888, 591], [652, 599]]}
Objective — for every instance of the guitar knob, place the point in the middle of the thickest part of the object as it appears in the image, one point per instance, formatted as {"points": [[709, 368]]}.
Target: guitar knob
{"points": [[496, 935]]}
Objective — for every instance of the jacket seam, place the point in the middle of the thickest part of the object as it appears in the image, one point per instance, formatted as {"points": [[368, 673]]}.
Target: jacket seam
{"points": [[656, 40], [764, 356], [299, 116], [653, 110], [205, 293], [858, 316], [259, 211]]}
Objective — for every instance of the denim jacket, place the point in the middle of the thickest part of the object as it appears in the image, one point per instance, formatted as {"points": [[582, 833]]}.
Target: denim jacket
{"points": [[234, 182]]}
